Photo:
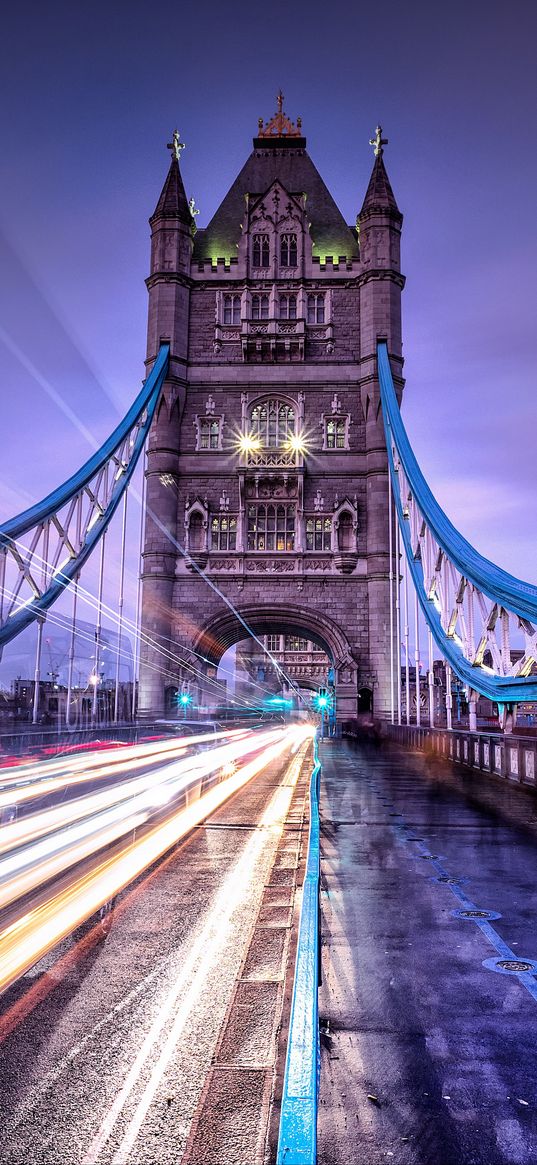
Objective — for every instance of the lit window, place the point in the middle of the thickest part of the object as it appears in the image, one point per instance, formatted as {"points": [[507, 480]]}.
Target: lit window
{"points": [[272, 424], [223, 532], [288, 307], [260, 307], [295, 643], [232, 309], [318, 533], [271, 528], [209, 433], [261, 251], [336, 433], [288, 251], [316, 309]]}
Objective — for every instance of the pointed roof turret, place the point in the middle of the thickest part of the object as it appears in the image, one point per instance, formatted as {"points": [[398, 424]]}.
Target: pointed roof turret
{"points": [[379, 194], [173, 201]]}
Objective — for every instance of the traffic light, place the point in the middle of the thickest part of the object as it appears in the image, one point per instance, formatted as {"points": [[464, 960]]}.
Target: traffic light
{"points": [[321, 699], [185, 699]]}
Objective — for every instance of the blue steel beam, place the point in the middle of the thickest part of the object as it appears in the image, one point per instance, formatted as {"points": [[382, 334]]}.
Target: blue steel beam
{"points": [[138, 418], [498, 585]]}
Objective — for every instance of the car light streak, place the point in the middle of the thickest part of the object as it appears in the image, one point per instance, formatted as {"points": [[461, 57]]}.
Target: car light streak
{"points": [[40, 929], [105, 819], [160, 783], [204, 956], [24, 783]]}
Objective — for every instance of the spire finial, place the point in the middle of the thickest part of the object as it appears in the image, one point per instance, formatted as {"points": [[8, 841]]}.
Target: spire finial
{"points": [[378, 142], [280, 125], [176, 145]]}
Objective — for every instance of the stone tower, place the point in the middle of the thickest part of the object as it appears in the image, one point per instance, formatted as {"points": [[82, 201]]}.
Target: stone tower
{"points": [[267, 483]]}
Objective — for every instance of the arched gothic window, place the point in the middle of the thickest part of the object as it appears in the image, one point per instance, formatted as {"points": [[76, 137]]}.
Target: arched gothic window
{"points": [[288, 307], [288, 251], [272, 423], [261, 251], [260, 307]]}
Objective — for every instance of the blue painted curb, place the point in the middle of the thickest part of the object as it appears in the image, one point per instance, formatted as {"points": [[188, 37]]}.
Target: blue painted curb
{"points": [[297, 1138]]}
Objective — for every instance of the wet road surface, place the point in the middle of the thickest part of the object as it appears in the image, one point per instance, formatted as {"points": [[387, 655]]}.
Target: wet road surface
{"points": [[428, 1052], [107, 1044]]}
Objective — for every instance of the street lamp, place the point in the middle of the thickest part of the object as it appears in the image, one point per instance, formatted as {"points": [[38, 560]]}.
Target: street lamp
{"points": [[184, 700]]}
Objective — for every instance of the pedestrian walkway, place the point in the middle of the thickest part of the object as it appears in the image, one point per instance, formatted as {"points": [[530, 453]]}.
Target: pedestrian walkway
{"points": [[429, 997]]}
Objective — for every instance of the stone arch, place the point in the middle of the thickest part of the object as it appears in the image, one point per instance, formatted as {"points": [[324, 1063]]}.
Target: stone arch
{"points": [[226, 628]]}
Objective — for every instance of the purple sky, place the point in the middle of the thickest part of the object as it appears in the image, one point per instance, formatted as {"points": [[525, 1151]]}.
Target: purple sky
{"points": [[94, 92]]}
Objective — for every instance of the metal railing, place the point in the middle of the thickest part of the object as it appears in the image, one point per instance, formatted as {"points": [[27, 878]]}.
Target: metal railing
{"points": [[297, 1139]]}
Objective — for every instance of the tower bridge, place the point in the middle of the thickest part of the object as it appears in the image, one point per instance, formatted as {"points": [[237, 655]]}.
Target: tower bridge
{"points": [[169, 896], [268, 433]]}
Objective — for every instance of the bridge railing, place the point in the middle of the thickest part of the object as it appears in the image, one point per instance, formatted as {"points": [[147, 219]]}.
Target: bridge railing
{"points": [[512, 757], [297, 1140]]}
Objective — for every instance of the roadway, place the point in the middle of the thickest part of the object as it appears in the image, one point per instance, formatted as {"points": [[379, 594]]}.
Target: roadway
{"points": [[429, 998], [158, 1041]]}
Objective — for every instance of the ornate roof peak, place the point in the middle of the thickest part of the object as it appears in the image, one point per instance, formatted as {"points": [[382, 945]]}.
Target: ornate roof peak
{"points": [[280, 125]]}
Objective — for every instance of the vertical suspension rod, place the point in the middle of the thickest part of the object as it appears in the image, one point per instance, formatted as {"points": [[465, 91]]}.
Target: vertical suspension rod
{"points": [[407, 642], [98, 628], [398, 616], [390, 543], [120, 602], [137, 617], [417, 657]]}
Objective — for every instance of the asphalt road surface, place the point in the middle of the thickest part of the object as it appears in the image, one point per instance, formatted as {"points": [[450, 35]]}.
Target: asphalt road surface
{"points": [[107, 1043], [429, 1000]]}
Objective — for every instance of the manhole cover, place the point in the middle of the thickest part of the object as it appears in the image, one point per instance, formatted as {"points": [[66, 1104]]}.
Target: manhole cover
{"points": [[515, 965], [490, 915], [511, 966]]}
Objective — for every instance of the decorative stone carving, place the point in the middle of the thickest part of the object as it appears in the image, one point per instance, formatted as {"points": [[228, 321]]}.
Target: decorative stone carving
{"points": [[224, 500], [270, 566], [322, 564], [318, 502], [335, 404], [210, 406], [223, 563]]}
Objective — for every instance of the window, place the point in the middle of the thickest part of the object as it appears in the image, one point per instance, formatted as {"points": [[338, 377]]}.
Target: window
{"points": [[260, 307], [232, 309], [272, 423], [318, 533], [336, 433], [272, 642], [261, 251], [316, 309], [288, 307], [209, 433], [288, 251], [295, 643], [271, 528], [223, 532]]}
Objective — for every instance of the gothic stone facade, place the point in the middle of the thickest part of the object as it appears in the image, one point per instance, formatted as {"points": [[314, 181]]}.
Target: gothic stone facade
{"points": [[266, 466]]}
